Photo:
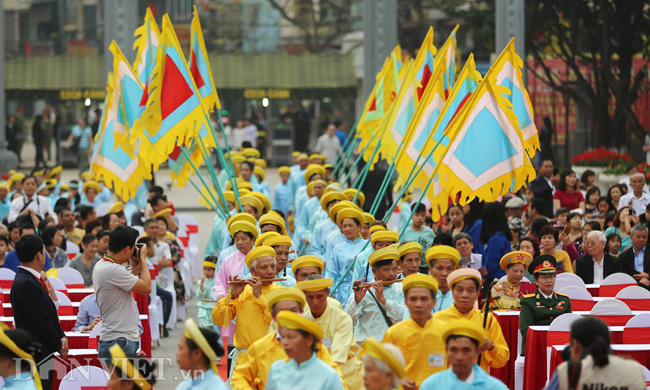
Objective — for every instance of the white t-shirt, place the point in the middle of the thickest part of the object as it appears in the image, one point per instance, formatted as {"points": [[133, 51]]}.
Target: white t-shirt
{"points": [[113, 284], [162, 251]]}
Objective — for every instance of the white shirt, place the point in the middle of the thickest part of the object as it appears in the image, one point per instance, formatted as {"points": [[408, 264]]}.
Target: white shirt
{"points": [[470, 377], [237, 138], [328, 146], [598, 270], [638, 204], [250, 134], [546, 296], [40, 205]]}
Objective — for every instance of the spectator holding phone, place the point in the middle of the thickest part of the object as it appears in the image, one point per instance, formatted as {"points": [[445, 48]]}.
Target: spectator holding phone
{"points": [[114, 284]]}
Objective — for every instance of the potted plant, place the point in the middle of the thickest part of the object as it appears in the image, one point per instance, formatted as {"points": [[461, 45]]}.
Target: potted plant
{"points": [[599, 160]]}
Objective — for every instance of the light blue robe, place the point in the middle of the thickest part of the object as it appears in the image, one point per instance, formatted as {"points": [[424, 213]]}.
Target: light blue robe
{"points": [[283, 199], [215, 243], [104, 195], [334, 238], [4, 207], [86, 202], [265, 189], [302, 222], [359, 270], [341, 258], [129, 209], [404, 214], [141, 197], [366, 317], [208, 381], [321, 232], [448, 380], [205, 308], [22, 381], [313, 374], [314, 219]]}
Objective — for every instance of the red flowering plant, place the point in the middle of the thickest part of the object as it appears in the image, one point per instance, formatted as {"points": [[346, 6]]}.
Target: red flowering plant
{"points": [[645, 169], [602, 157]]}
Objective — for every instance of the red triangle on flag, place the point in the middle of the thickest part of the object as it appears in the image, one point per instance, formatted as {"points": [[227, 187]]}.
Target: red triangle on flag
{"points": [[175, 90], [145, 95], [373, 105], [426, 75], [196, 74], [176, 152]]}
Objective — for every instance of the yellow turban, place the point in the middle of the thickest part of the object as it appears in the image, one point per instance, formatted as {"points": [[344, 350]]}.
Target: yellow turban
{"points": [[240, 217], [284, 169], [295, 154], [115, 208], [91, 184], [308, 261], [374, 229], [55, 171], [315, 285], [273, 219], [86, 176], [14, 178], [119, 360], [443, 252], [464, 327], [260, 172], [264, 237], [516, 257], [251, 152], [259, 252], [349, 213], [388, 253], [286, 294], [260, 162], [368, 218], [344, 204], [384, 235], [377, 350], [193, 333], [51, 183], [10, 345], [331, 196], [254, 202], [312, 170], [266, 203], [351, 192], [278, 240], [230, 197], [300, 322], [242, 226], [238, 159], [420, 280], [410, 247]]}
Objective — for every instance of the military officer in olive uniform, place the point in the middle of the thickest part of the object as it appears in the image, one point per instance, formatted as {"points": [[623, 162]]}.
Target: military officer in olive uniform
{"points": [[542, 307]]}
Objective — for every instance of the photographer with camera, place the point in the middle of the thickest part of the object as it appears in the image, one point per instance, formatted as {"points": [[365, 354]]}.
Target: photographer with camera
{"points": [[114, 283]]}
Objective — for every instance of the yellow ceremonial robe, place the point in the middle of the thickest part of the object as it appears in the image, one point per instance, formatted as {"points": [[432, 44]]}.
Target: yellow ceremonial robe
{"points": [[339, 339], [253, 369], [423, 348], [499, 355], [252, 314]]}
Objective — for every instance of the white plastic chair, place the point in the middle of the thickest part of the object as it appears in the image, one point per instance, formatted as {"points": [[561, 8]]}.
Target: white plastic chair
{"points": [[65, 305], [566, 279], [580, 298], [71, 277], [71, 249], [637, 329], [93, 342], [85, 377], [6, 278], [58, 284], [615, 283], [612, 311], [560, 324], [636, 297], [102, 209], [646, 373]]}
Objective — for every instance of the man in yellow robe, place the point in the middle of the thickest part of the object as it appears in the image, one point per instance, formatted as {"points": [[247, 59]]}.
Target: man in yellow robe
{"points": [[337, 325], [254, 366], [420, 336], [465, 286], [305, 266], [248, 302]]}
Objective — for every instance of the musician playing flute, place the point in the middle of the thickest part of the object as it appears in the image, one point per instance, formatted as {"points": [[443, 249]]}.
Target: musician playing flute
{"points": [[247, 302], [378, 305]]}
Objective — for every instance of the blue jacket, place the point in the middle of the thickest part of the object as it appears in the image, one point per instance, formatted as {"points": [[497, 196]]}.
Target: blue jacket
{"points": [[497, 246], [12, 262]]}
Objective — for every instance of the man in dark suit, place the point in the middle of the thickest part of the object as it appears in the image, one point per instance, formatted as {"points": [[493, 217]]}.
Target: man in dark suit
{"points": [[635, 260], [33, 308], [542, 187], [596, 265]]}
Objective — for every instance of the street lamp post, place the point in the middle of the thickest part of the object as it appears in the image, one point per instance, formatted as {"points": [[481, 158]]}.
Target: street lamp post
{"points": [[8, 159]]}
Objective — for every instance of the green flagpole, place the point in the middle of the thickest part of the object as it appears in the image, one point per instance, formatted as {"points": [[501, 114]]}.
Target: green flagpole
{"points": [[414, 208], [359, 181], [216, 210], [341, 167], [187, 156], [386, 182], [213, 175]]}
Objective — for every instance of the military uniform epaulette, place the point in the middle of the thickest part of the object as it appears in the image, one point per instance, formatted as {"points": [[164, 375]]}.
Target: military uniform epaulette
{"points": [[560, 294], [529, 295]]}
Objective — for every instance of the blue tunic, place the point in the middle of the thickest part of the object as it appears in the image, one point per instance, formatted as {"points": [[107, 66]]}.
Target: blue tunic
{"points": [[283, 198], [4, 207], [360, 265], [334, 238], [475, 232], [104, 195], [208, 381], [265, 189], [215, 243], [404, 214], [341, 258], [322, 230], [22, 381], [448, 380], [497, 247], [313, 374]]}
